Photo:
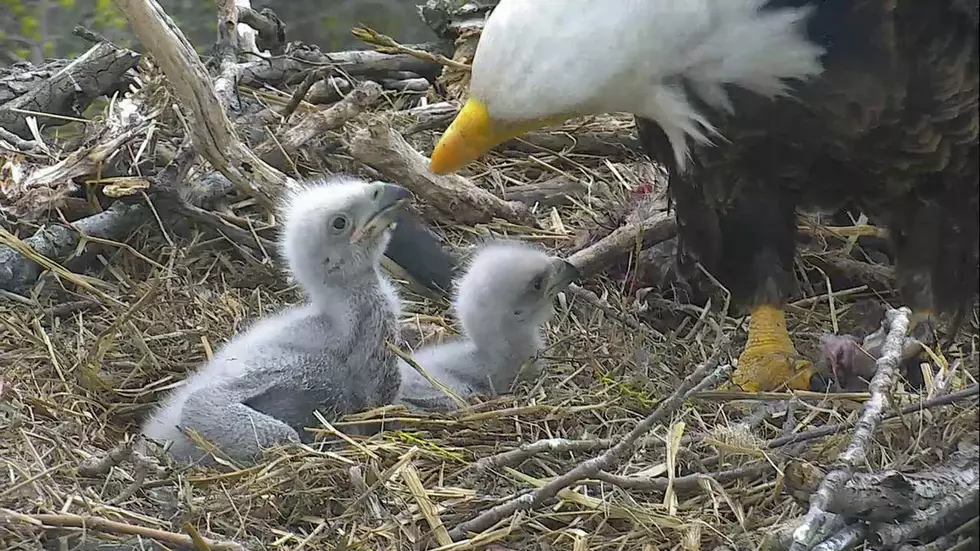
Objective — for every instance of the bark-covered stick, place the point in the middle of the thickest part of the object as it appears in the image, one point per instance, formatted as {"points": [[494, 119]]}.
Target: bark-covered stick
{"points": [[627, 238], [384, 149], [888, 495], [100, 524], [814, 527], [955, 481], [98, 72], [18, 273], [315, 124]]}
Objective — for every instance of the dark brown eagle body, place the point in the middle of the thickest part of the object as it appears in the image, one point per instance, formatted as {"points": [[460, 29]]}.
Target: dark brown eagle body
{"points": [[889, 127]]}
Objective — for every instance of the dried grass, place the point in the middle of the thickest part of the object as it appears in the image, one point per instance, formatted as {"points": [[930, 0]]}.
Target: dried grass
{"points": [[84, 357]]}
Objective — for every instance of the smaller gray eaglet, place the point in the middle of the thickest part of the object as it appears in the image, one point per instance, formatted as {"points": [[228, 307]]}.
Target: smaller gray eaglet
{"points": [[503, 299]]}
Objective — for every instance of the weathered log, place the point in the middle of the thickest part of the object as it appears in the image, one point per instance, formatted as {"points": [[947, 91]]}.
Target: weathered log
{"points": [[302, 57], [98, 72], [449, 18], [381, 147], [315, 124], [899, 506], [630, 237], [271, 29], [889, 495], [24, 77], [57, 242]]}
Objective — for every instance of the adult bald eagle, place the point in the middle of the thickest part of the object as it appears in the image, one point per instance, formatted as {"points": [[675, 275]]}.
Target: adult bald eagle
{"points": [[757, 108]]}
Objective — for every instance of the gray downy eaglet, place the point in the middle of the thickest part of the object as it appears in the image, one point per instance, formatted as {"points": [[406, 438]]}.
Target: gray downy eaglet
{"points": [[503, 299], [329, 354]]}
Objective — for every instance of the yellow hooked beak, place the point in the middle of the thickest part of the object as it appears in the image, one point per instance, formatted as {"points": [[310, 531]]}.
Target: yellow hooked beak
{"points": [[472, 134]]}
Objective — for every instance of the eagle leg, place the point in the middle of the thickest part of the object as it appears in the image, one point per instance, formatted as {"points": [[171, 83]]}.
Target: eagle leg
{"points": [[770, 360]]}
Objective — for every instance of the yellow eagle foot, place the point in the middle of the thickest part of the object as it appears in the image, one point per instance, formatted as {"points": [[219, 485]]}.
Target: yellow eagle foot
{"points": [[770, 361]]}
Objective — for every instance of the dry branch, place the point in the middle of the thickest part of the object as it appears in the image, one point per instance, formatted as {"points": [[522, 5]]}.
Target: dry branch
{"points": [[300, 58], [381, 147], [18, 273], [684, 483], [385, 44], [58, 243], [818, 517], [98, 72], [416, 85], [888, 495], [113, 527], [631, 237], [704, 376], [428, 117], [212, 132], [553, 446], [271, 29], [17, 142], [276, 151], [377, 64]]}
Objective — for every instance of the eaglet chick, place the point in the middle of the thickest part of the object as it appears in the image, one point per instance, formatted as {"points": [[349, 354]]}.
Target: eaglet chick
{"points": [[261, 389], [502, 300]]}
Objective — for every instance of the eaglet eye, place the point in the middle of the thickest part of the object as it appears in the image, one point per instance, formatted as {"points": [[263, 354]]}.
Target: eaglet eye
{"points": [[538, 282], [339, 223]]}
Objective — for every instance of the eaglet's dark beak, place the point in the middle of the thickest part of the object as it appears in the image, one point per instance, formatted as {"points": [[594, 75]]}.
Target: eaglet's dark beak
{"points": [[385, 201], [563, 275]]}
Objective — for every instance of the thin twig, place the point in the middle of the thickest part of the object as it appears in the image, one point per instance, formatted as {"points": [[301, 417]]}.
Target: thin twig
{"points": [[813, 528], [686, 482], [312, 77], [524, 452], [597, 302], [698, 378], [110, 526], [387, 45]]}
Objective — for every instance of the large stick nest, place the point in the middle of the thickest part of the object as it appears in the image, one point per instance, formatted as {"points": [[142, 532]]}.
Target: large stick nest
{"points": [[138, 236]]}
